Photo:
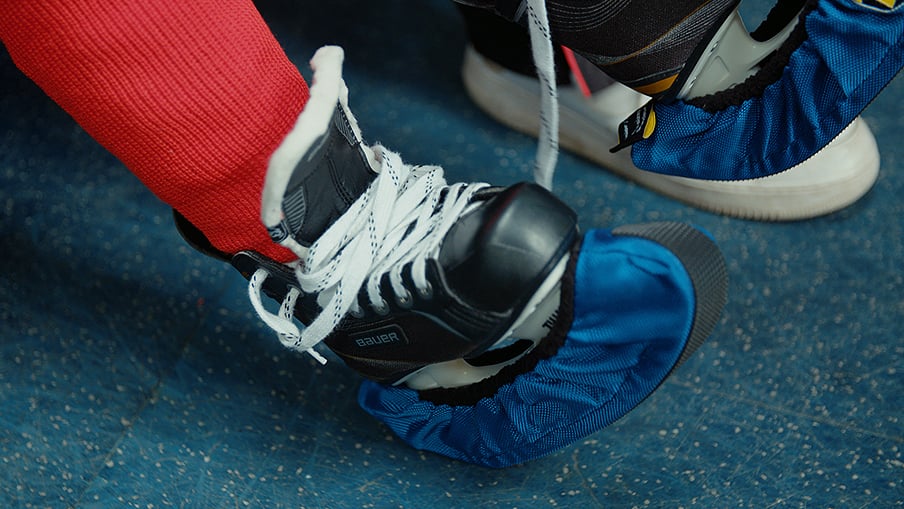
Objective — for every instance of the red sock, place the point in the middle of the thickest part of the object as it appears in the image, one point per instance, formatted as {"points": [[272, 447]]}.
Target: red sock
{"points": [[192, 96]]}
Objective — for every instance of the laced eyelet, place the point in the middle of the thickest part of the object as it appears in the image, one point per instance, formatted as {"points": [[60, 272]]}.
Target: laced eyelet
{"points": [[382, 308], [356, 312], [426, 292], [404, 301]]}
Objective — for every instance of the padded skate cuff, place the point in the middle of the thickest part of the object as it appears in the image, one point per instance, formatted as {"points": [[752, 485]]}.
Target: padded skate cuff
{"points": [[843, 55], [634, 307]]}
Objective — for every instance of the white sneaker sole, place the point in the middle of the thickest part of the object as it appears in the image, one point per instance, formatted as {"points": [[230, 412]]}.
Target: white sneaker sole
{"points": [[837, 176]]}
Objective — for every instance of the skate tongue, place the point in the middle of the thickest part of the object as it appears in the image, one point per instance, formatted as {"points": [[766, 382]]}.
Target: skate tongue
{"points": [[321, 167], [731, 57]]}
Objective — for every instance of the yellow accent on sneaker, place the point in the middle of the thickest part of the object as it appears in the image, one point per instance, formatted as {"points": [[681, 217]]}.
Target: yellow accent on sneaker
{"points": [[657, 87], [650, 126], [835, 177]]}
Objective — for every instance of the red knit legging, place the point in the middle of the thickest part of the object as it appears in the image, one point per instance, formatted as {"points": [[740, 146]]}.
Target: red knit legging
{"points": [[191, 95]]}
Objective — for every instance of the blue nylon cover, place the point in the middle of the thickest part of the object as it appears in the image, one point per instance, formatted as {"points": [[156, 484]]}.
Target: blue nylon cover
{"points": [[633, 309], [851, 53]]}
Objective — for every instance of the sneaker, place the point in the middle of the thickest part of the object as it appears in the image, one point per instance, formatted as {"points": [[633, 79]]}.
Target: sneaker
{"points": [[749, 105], [834, 178]]}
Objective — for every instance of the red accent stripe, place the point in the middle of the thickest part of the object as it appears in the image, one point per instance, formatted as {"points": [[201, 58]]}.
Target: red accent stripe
{"points": [[576, 73]]}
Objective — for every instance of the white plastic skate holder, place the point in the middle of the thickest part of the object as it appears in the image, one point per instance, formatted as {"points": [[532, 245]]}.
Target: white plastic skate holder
{"points": [[533, 325], [731, 57]]}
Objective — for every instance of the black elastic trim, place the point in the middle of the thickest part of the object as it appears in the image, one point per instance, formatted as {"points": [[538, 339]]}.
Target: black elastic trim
{"points": [[779, 16], [470, 394], [196, 238], [771, 69]]}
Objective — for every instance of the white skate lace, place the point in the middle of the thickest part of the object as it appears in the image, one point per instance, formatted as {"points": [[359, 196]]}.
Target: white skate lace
{"points": [[544, 62], [401, 218]]}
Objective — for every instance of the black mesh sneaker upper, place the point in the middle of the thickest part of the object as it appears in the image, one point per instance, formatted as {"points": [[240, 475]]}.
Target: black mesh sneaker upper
{"points": [[644, 45]]}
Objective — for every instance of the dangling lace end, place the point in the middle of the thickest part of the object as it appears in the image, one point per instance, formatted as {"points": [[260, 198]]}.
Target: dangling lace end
{"points": [[294, 342], [283, 323], [316, 355], [544, 61]]}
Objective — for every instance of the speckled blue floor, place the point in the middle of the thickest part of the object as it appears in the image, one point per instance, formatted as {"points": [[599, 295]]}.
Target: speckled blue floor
{"points": [[133, 373]]}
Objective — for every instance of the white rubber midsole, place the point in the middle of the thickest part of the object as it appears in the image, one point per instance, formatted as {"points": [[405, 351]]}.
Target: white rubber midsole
{"points": [[836, 176]]}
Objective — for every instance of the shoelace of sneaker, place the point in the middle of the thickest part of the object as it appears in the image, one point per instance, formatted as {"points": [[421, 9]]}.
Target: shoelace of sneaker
{"points": [[401, 218]]}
